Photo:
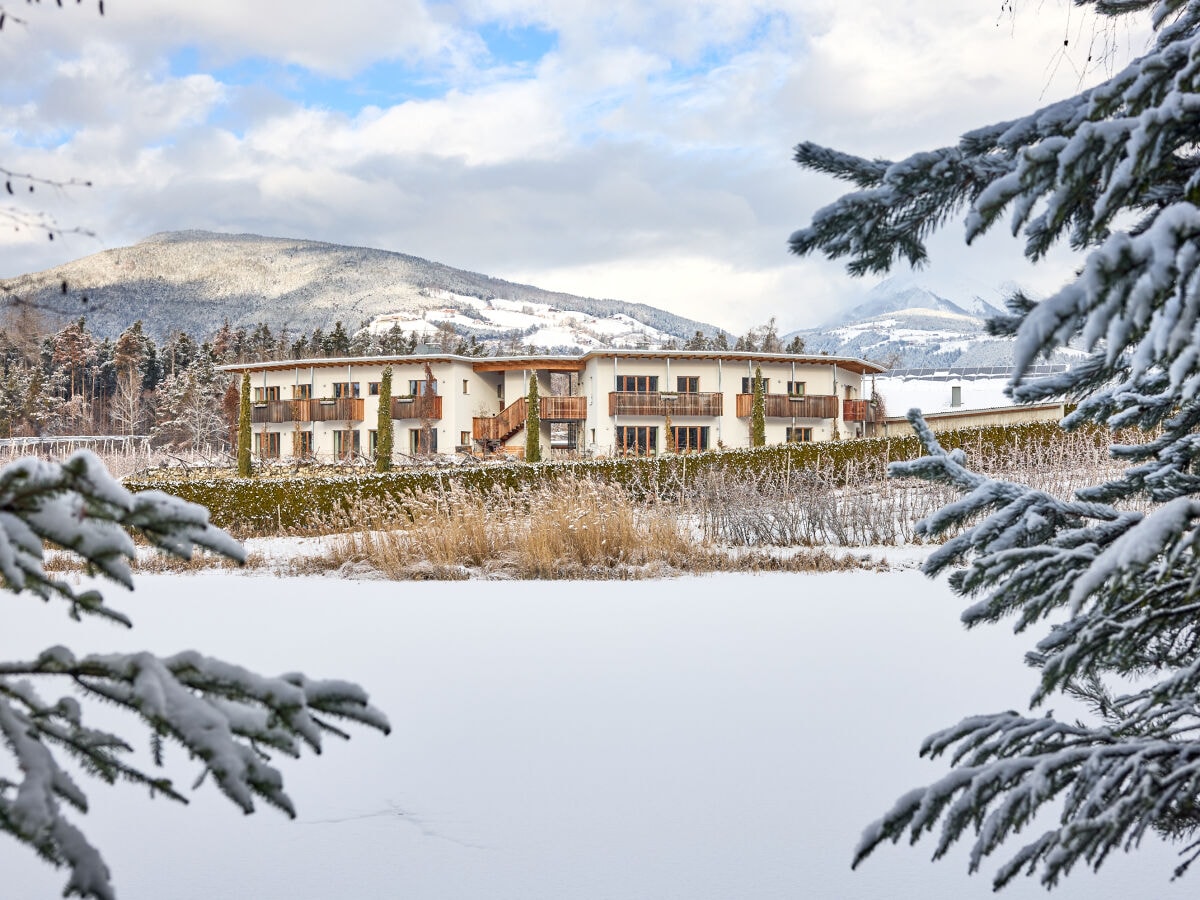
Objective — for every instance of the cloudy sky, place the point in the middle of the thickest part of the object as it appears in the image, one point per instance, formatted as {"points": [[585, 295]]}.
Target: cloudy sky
{"points": [[638, 149]]}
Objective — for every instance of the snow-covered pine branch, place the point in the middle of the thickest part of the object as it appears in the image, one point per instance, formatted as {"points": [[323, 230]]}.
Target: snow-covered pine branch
{"points": [[78, 506], [1120, 588], [225, 716]]}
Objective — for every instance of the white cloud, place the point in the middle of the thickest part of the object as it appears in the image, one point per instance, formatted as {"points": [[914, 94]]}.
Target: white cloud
{"points": [[699, 287], [647, 157]]}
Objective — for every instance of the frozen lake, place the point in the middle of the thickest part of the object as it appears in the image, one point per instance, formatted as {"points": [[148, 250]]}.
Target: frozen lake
{"points": [[715, 737]]}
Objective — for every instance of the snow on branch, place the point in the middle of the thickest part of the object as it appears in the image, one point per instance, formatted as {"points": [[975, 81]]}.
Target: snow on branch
{"points": [[222, 714], [78, 506]]}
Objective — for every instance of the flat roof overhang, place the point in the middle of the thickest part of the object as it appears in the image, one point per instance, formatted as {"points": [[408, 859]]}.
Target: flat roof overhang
{"points": [[541, 363], [559, 363]]}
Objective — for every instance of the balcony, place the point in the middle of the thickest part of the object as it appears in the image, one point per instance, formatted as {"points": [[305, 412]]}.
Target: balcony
{"points": [[861, 411], [658, 403], [423, 406], [343, 409], [786, 406], [272, 412], [563, 409]]}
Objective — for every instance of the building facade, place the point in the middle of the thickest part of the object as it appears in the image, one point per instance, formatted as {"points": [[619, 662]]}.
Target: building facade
{"points": [[600, 403]]}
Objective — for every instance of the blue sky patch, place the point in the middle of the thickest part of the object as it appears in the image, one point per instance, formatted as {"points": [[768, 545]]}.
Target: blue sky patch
{"points": [[382, 84], [517, 45], [716, 55]]}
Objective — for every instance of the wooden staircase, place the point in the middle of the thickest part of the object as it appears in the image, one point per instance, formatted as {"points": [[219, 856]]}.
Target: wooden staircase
{"points": [[503, 425], [499, 428]]}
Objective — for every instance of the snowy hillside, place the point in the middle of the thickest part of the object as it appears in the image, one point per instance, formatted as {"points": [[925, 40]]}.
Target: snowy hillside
{"points": [[540, 325], [194, 280]]}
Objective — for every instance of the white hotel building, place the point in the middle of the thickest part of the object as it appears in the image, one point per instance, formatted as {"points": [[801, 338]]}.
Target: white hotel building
{"points": [[602, 403]]}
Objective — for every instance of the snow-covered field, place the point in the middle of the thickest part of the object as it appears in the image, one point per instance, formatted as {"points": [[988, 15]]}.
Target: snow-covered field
{"points": [[711, 737]]}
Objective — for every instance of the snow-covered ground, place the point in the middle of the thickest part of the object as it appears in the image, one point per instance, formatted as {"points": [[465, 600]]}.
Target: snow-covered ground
{"points": [[712, 737], [550, 326]]}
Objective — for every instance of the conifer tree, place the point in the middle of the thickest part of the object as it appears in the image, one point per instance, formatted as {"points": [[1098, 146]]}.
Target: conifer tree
{"points": [[533, 422], [243, 435], [1110, 588], [758, 412], [383, 428]]}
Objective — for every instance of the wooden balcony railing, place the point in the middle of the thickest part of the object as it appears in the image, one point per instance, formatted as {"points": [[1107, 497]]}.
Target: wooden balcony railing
{"points": [[783, 406], [860, 411], [562, 409], [424, 406], [343, 409], [657, 403], [272, 412]]}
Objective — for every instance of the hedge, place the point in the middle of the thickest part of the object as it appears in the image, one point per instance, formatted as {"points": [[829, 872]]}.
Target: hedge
{"points": [[284, 502]]}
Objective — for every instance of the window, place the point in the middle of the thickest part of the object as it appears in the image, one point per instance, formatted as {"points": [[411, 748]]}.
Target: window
{"points": [[464, 439], [799, 435], [419, 387], [345, 389], [346, 443], [266, 444], [636, 440], [373, 388], [302, 443], [748, 385], [415, 446], [301, 391], [690, 438], [466, 386], [263, 394], [956, 395], [372, 442], [500, 391], [637, 384], [688, 384], [796, 389]]}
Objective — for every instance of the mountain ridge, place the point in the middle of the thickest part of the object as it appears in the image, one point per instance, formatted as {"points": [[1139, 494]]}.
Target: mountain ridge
{"points": [[194, 280]]}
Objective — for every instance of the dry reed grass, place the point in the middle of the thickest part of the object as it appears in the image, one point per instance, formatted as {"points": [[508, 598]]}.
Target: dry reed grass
{"points": [[60, 562], [573, 530]]}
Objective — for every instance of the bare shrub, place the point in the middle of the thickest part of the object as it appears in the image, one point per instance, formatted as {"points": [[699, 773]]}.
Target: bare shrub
{"points": [[855, 504], [852, 505]]}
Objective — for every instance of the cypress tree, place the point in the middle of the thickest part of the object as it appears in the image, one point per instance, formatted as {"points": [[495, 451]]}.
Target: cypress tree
{"points": [[758, 414], [533, 423], [243, 453], [383, 433]]}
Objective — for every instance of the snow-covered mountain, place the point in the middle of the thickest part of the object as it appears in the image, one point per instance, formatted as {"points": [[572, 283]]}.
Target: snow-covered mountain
{"points": [[194, 280], [902, 294], [905, 325]]}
